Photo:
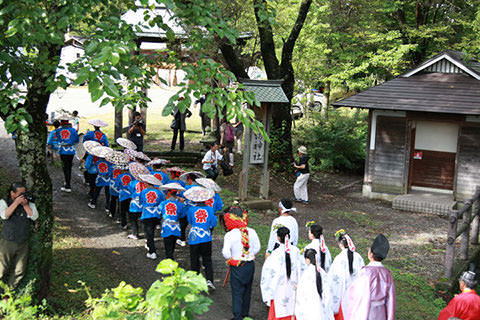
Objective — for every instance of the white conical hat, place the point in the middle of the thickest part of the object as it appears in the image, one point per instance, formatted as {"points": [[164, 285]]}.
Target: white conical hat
{"points": [[199, 194], [90, 145], [148, 178], [126, 143], [173, 186], [97, 123], [101, 151], [209, 184]]}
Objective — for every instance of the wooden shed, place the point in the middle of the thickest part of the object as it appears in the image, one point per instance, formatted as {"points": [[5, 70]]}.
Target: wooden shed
{"points": [[424, 129]]}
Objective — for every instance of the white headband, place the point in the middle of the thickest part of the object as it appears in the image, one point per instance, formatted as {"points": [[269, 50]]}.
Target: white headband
{"points": [[280, 205]]}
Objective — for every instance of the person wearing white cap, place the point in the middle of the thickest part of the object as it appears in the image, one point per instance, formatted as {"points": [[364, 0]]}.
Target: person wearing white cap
{"points": [[285, 207], [97, 134], [303, 173]]}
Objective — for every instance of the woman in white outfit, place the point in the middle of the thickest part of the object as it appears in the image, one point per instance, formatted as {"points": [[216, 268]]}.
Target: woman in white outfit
{"points": [[343, 271]]}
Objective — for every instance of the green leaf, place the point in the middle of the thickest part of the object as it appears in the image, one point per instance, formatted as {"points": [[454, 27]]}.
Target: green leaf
{"points": [[114, 58], [110, 87], [167, 266]]}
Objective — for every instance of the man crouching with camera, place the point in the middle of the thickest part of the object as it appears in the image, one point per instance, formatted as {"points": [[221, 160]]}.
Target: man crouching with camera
{"points": [[17, 213]]}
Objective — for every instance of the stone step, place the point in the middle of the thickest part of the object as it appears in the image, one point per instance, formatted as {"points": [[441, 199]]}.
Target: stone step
{"points": [[439, 204]]}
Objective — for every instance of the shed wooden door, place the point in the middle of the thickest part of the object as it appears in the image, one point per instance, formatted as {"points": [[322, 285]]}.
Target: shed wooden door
{"points": [[433, 157]]}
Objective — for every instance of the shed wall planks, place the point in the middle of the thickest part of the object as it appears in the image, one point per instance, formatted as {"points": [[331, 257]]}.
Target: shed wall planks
{"points": [[468, 174], [389, 157]]}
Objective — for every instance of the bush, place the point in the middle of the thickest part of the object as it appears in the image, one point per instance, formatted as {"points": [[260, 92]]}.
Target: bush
{"points": [[336, 143], [179, 296]]}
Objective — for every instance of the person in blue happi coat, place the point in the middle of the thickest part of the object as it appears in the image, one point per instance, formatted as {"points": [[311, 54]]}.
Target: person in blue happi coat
{"points": [[124, 197], [202, 220], [150, 199], [97, 134], [53, 141], [135, 209], [171, 210], [91, 173], [104, 172], [66, 137], [115, 190]]}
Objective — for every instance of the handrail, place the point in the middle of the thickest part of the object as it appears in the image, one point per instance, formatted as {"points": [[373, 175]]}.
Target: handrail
{"points": [[470, 215]]}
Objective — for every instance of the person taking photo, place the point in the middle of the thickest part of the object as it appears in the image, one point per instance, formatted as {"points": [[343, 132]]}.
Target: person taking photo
{"points": [[17, 212]]}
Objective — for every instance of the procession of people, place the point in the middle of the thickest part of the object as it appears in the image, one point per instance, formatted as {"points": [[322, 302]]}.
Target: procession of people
{"points": [[295, 283]]}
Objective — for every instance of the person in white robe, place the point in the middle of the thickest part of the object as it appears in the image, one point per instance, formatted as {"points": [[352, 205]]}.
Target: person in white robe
{"points": [[280, 274], [285, 207], [311, 291], [342, 273], [315, 234]]}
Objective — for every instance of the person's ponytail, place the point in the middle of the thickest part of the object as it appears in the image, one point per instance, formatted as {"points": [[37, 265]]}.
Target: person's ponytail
{"points": [[288, 263], [350, 260]]}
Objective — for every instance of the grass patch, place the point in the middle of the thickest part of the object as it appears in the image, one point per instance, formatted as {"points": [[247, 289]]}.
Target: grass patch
{"points": [[360, 218], [158, 127], [73, 263]]}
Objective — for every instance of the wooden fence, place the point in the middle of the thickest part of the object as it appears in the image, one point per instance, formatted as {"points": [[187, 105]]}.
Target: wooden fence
{"points": [[470, 216]]}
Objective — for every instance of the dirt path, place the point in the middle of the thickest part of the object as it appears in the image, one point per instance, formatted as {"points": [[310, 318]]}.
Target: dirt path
{"points": [[417, 240]]}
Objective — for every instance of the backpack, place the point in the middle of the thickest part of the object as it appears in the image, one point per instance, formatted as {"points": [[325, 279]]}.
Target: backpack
{"points": [[229, 133]]}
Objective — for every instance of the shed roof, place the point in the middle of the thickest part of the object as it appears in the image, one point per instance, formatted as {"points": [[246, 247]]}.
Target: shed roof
{"points": [[446, 83], [430, 92], [269, 91]]}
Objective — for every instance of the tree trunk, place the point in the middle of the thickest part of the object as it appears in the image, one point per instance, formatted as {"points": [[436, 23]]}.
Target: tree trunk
{"points": [[33, 170], [326, 100]]}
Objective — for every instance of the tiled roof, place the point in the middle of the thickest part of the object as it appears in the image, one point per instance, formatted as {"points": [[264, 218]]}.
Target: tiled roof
{"points": [[269, 91], [429, 92]]}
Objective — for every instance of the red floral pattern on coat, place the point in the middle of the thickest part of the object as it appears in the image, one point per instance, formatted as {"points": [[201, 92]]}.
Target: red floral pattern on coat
{"points": [[201, 216], [140, 187], [209, 202], [126, 180], [98, 135], [151, 196], [102, 167], [171, 209], [65, 134]]}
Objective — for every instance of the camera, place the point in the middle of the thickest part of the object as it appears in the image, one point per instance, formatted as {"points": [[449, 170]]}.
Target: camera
{"points": [[138, 122], [29, 197]]}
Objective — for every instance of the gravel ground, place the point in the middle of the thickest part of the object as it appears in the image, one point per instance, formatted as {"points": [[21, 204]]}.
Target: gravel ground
{"points": [[417, 240]]}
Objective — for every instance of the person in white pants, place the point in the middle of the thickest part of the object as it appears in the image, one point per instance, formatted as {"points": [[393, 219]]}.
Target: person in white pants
{"points": [[303, 173]]}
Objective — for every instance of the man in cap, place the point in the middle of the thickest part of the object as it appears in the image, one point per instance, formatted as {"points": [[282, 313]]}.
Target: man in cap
{"points": [[466, 305], [303, 173], [372, 294], [137, 130]]}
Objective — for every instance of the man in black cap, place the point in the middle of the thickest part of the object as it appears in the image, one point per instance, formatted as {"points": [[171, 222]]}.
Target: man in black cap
{"points": [[465, 305], [372, 294]]}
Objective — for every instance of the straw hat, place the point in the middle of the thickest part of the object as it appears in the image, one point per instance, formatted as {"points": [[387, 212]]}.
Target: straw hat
{"points": [[126, 143], [90, 145], [302, 150], [158, 161], [136, 169], [209, 184], [97, 123], [101, 151], [121, 166], [131, 153], [193, 174], [148, 178], [199, 194], [172, 186], [175, 169], [118, 158], [142, 156], [64, 117]]}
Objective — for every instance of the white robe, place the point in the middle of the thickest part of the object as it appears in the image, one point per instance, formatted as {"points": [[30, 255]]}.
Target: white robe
{"points": [[339, 279], [315, 244], [309, 305], [286, 221], [274, 283]]}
